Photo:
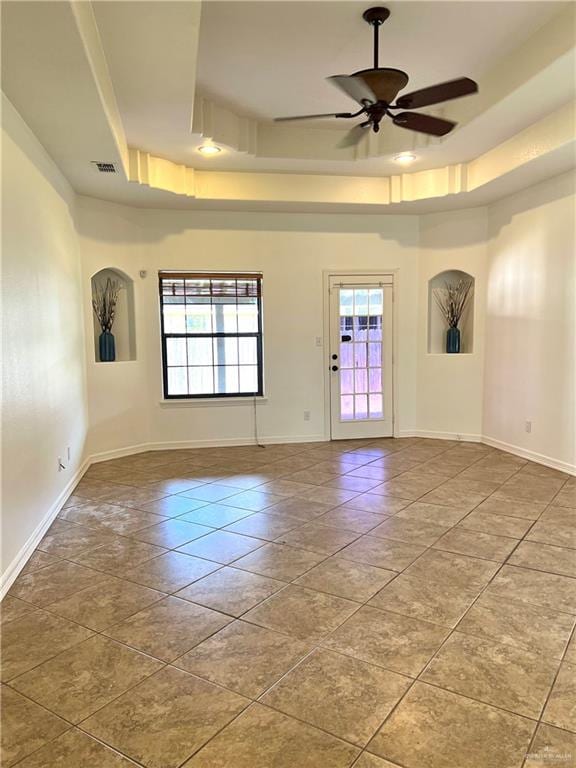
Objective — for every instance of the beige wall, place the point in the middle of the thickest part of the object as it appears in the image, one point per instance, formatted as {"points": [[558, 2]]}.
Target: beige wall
{"points": [[531, 323], [44, 404]]}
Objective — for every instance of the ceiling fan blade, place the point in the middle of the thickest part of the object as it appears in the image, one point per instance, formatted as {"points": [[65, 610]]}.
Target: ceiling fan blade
{"points": [[414, 121], [354, 136], [312, 117], [354, 87], [453, 89]]}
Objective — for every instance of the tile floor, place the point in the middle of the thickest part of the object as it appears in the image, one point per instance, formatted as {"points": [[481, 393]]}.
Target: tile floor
{"points": [[364, 603]]}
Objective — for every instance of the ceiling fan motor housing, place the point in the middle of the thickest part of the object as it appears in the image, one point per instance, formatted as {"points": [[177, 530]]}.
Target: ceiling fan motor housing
{"points": [[384, 82]]}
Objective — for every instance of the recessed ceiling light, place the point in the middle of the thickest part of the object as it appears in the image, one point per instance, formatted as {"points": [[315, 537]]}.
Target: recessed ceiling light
{"points": [[405, 158], [209, 149]]}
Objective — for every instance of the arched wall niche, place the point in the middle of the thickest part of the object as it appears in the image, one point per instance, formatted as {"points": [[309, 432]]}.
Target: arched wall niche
{"points": [[124, 322], [437, 325]]}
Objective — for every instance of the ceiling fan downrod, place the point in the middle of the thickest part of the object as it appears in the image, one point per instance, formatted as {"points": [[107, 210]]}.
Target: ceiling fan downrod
{"points": [[376, 17]]}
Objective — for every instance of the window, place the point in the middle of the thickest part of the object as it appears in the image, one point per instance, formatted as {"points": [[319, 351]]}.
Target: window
{"points": [[211, 334]]}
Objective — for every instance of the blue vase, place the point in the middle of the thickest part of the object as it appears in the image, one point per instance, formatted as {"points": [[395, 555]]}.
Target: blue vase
{"points": [[107, 347], [453, 340]]}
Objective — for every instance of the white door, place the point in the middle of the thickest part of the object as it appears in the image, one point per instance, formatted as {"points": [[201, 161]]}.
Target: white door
{"points": [[360, 356]]}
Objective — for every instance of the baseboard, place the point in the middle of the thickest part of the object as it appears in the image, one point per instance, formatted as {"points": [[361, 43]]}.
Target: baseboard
{"points": [[539, 458], [184, 444], [458, 436], [10, 574]]}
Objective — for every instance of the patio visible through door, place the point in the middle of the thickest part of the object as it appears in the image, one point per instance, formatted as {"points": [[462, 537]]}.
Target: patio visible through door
{"points": [[360, 356]]}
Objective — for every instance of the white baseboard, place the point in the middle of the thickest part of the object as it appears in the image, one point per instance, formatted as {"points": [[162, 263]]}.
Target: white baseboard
{"points": [[539, 458], [184, 444], [10, 574], [462, 437]]}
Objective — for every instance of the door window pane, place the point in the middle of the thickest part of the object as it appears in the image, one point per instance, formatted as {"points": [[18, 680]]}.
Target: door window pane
{"points": [[346, 355], [347, 407], [360, 355], [361, 380], [361, 406], [375, 403], [375, 379], [346, 382]]}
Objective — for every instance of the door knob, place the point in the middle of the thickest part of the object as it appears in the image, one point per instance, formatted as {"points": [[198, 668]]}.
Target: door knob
{"points": [[334, 367]]}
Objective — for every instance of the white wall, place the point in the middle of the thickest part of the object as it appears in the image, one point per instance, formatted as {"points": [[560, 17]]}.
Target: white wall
{"points": [[292, 251], [44, 402], [531, 323], [450, 386]]}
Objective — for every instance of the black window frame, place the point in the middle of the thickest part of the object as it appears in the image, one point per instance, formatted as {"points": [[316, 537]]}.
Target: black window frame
{"points": [[163, 275]]}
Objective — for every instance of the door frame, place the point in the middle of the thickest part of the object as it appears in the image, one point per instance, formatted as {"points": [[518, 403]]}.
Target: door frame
{"points": [[369, 273]]}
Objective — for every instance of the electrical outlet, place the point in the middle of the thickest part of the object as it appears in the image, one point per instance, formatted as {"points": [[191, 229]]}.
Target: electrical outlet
{"points": [[318, 341], [528, 426], [306, 415]]}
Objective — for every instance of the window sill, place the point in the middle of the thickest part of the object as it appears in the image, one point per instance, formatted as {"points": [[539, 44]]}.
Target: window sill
{"points": [[211, 402]]}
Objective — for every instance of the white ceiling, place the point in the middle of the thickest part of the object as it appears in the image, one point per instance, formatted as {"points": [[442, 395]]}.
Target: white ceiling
{"points": [[268, 59]]}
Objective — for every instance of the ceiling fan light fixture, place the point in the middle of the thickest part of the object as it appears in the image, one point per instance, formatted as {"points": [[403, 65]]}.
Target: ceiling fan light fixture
{"points": [[405, 158], [209, 150]]}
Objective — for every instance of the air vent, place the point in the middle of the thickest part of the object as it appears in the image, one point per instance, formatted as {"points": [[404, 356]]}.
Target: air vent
{"points": [[104, 167]]}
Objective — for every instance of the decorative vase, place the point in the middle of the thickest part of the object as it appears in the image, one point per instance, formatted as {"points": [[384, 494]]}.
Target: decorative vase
{"points": [[453, 340], [107, 347]]}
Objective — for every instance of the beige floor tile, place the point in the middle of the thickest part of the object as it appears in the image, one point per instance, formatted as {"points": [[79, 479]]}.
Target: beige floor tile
{"points": [[126, 521], [412, 486], [552, 746], [377, 504], [76, 749], [89, 513], [452, 497], [382, 553], [476, 544], [231, 590], [301, 613], [54, 582], [171, 571], [38, 560], [529, 488], [168, 628], [32, 639], [286, 487], [73, 541], [432, 513], [447, 568], [119, 555], [25, 727], [339, 694], [358, 484], [105, 604], [421, 599], [216, 515], [345, 578], [553, 533], [399, 643], [493, 523], [366, 760], [288, 743], [166, 718], [11, 609], [570, 655], [412, 531], [318, 538], [559, 516], [172, 506], [263, 526], [255, 501], [566, 498], [543, 557], [171, 533], [527, 510], [279, 561], [210, 492], [79, 681], [535, 587], [502, 675], [351, 519], [532, 627], [301, 509], [221, 547], [244, 658], [453, 732], [561, 707]]}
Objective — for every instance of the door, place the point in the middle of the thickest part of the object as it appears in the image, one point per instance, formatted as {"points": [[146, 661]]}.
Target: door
{"points": [[361, 356]]}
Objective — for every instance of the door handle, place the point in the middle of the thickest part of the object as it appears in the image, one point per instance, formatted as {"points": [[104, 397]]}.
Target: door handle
{"points": [[334, 367]]}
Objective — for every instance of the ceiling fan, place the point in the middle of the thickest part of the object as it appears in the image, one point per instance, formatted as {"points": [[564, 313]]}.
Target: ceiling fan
{"points": [[375, 89]]}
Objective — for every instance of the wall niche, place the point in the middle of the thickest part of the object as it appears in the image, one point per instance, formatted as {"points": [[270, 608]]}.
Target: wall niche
{"points": [[437, 325], [124, 324]]}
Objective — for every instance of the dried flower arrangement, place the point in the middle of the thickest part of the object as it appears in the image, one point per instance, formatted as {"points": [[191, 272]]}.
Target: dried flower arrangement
{"points": [[452, 300], [104, 301]]}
